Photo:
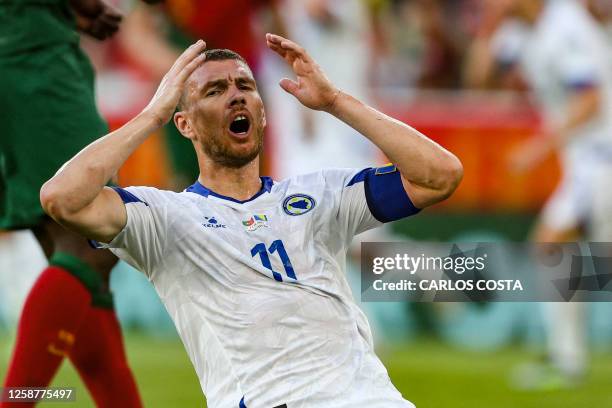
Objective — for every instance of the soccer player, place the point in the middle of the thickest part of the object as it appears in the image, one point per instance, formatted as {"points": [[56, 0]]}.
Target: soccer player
{"points": [[156, 49], [562, 54], [252, 270], [48, 113]]}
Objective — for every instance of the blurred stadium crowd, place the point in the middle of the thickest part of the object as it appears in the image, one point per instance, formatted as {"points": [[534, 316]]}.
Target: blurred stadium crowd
{"points": [[407, 57]]}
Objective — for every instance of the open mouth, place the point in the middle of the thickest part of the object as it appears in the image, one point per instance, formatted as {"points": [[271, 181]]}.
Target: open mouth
{"points": [[240, 125]]}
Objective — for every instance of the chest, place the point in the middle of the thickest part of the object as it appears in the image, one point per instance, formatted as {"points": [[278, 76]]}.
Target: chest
{"points": [[282, 239]]}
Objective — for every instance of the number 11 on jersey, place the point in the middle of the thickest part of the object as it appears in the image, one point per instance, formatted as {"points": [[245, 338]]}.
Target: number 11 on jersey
{"points": [[277, 246]]}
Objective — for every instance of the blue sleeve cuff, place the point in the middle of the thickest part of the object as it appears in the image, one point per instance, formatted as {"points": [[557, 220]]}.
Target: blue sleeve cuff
{"points": [[385, 194], [127, 197]]}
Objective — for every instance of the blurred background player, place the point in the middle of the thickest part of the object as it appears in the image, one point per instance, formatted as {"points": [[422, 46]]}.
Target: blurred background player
{"points": [[48, 114], [561, 53]]}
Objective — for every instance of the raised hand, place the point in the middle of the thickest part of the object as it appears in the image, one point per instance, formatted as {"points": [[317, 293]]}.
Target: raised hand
{"points": [[101, 27], [312, 88], [96, 18], [169, 92]]}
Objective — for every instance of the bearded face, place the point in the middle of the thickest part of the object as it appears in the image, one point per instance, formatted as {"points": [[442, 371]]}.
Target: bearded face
{"points": [[224, 113], [222, 151]]}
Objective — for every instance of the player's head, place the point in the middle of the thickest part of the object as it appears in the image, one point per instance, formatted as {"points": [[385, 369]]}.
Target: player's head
{"points": [[221, 111]]}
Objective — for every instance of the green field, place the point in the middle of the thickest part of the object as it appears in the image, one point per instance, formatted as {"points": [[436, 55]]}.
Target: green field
{"points": [[428, 373]]}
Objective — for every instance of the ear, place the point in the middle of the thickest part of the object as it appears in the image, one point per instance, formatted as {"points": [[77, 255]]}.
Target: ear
{"points": [[181, 121]]}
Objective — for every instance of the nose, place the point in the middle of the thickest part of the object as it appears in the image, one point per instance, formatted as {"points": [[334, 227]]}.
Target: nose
{"points": [[237, 99]]}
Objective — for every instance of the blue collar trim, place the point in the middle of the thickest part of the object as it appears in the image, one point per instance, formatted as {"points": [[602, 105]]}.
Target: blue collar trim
{"points": [[197, 188]]}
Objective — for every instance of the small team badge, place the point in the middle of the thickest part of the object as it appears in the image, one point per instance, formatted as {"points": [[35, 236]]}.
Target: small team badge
{"points": [[255, 222], [298, 204]]}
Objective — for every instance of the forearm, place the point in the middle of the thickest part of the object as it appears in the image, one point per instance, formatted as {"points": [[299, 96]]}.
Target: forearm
{"points": [[81, 179], [583, 107], [480, 66], [420, 160], [429, 172]]}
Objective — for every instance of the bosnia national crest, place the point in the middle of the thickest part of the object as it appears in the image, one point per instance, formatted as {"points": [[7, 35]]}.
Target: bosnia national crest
{"points": [[298, 204]]}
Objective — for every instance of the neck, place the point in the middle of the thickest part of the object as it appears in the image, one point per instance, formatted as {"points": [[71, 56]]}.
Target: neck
{"points": [[240, 184]]}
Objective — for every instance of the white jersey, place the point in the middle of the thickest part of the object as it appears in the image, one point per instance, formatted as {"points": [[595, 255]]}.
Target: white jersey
{"points": [[257, 290], [565, 50]]}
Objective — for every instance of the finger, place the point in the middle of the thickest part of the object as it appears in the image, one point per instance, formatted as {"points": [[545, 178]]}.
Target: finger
{"points": [[111, 12], [111, 16], [277, 49], [289, 47], [274, 38], [94, 34], [104, 29], [109, 23], [289, 86], [189, 68], [97, 30], [187, 56], [288, 56], [272, 44], [294, 47]]}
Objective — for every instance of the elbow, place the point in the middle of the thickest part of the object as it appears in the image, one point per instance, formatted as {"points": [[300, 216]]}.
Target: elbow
{"points": [[449, 172], [53, 202], [452, 171]]}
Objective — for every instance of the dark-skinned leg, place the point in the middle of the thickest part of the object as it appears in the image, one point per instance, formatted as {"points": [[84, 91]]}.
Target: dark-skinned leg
{"points": [[74, 292], [98, 353], [52, 313]]}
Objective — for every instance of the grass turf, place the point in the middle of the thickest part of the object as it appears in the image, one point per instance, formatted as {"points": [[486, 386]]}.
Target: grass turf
{"points": [[430, 374]]}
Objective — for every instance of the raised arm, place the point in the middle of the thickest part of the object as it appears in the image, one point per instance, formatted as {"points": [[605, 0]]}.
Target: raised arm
{"points": [[429, 172], [76, 196]]}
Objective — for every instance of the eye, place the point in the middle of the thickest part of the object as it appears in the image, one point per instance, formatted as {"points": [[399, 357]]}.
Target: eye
{"points": [[213, 92], [245, 86]]}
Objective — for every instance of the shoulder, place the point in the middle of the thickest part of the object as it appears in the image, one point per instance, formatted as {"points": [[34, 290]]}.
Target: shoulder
{"points": [[333, 178], [149, 196]]}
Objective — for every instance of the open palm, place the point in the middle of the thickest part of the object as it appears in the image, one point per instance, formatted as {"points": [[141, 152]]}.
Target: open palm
{"points": [[312, 87]]}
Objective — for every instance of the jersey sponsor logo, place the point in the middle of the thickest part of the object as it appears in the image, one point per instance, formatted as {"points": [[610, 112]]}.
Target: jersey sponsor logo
{"points": [[212, 222], [255, 222], [298, 204], [386, 169]]}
